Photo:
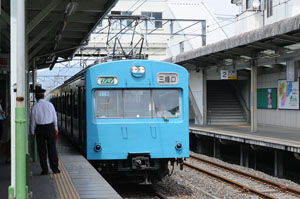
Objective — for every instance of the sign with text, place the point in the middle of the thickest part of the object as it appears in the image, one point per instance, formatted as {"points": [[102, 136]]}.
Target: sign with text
{"points": [[107, 80], [228, 74]]}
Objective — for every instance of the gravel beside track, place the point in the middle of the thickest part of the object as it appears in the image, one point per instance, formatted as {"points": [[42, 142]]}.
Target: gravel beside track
{"points": [[191, 184]]}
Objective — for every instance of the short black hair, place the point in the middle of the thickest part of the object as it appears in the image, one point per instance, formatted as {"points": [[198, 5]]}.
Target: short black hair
{"points": [[39, 96]]}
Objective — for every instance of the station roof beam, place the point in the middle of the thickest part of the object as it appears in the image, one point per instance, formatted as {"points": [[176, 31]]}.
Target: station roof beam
{"points": [[55, 28], [268, 47]]}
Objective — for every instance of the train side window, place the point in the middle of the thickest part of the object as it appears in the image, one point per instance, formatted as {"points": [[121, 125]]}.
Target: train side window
{"points": [[67, 105], [75, 108], [57, 104], [63, 104], [108, 103]]}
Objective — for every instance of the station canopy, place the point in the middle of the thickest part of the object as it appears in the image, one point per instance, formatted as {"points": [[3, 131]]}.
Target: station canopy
{"points": [[268, 47], [55, 28]]}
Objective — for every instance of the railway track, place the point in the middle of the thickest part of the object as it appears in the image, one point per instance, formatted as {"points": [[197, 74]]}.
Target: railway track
{"points": [[158, 194], [256, 185]]}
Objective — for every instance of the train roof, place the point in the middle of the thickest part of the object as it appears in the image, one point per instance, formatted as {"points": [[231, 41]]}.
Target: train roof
{"points": [[81, 73]]}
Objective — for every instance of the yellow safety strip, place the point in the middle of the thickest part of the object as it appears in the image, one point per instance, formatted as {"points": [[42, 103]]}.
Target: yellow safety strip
{"points": [[65, 187]]}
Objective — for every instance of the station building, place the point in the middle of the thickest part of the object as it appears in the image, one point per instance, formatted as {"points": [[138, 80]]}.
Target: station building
{"points": [[244, 93], [168, 27]]}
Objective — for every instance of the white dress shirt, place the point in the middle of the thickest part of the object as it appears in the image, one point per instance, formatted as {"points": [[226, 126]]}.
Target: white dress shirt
{"points": [[43, 112], [164, 113]]}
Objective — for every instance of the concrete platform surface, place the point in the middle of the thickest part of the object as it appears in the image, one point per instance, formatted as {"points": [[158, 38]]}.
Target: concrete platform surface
{"points": [[85, 178], [268, 136]]}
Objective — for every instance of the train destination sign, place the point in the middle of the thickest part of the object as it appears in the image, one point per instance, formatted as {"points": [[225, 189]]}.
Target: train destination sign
{"points": [[167, 78], [107, 80]]}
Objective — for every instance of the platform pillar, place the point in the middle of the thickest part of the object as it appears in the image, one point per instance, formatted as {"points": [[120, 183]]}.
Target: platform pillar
{"points": [[244, 155], [217, 153], [278, 163], [204, 98], [253, 105], [21, 165], [18, 66]]}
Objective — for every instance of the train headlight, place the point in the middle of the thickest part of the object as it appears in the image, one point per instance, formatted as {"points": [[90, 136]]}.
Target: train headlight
{"points": [[138, 71], [178, 146], [134, 69], [97, 148], [142, 69]]}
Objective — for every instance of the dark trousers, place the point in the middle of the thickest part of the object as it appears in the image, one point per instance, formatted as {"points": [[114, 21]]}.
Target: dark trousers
{"points": [[45, 136]]}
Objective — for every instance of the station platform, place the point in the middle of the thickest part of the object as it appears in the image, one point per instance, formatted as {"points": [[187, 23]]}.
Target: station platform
{"points": [[77, 179], [268, 136]]}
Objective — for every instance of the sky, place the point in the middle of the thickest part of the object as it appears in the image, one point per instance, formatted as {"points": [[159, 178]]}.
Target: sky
{"points": [[223, 10]]}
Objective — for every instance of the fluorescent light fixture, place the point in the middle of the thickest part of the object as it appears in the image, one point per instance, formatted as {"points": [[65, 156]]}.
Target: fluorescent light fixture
{"points": [[71, 8]]}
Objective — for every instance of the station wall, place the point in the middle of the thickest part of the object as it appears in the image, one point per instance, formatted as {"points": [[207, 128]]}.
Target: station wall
{"points": [[276, 117]]}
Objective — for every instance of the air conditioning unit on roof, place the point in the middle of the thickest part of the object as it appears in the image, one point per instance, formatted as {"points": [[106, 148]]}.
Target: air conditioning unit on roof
{"points": [[256, 5], [236, 1]]}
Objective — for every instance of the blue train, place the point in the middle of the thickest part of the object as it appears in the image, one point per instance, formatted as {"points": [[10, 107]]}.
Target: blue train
{"points": [[130, 118]]}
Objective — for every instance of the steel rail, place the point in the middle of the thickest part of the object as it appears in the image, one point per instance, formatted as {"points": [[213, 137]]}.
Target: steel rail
{"points": [[158, 194], [275, 184], [246, 188]]}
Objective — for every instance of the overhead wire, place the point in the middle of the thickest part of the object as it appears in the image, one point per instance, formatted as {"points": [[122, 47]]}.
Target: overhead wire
{"points": [[208, 32]]}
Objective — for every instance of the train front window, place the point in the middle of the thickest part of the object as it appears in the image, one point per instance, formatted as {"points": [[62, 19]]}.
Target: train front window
{"points": [[166, 102], [137, 103], [108, 103]]}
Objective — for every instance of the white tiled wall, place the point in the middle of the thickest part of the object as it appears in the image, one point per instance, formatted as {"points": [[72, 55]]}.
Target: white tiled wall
{"points": [[285, 118]]}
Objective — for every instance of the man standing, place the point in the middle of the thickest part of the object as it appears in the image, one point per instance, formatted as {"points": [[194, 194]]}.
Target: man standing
{"points": [[44, 126]]}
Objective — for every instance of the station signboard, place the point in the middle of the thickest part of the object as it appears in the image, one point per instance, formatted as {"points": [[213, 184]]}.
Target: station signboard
{"points": [[267, 98], [228, 74]]}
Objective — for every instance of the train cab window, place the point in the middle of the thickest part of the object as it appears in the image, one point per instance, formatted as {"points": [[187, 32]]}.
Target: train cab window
{"points": [[137, 103], [166, 102], [108, 103]]}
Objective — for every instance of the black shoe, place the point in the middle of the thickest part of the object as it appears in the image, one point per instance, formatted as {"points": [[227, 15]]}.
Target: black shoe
{"points": [[56, 171], [44, 173]]}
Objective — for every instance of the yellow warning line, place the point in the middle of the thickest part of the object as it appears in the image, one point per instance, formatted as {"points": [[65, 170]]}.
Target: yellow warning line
{"points": [[65, 187]]}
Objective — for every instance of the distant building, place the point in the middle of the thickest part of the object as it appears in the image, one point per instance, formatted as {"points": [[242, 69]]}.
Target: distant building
{"points": [[165, 31], [258, 13]]}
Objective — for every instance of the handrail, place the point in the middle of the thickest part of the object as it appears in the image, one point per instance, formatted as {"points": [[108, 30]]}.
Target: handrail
{"points": [[243, 103], [195, 107]]}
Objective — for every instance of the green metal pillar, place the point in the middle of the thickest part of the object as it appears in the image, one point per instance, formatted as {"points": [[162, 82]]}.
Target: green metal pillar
{"points": [[21, 187], [17, 22], [11, 192]]}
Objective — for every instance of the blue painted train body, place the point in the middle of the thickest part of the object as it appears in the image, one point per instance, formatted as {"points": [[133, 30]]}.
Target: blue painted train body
{"points": [[129, 115]]}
